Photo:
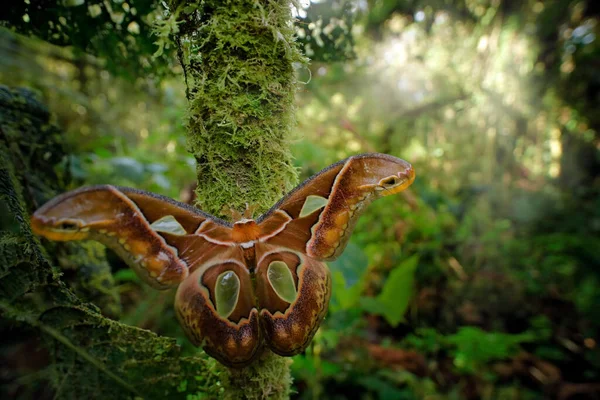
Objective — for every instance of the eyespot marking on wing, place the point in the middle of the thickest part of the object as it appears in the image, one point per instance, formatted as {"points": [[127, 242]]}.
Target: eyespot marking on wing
{"points": [[282, 281], [168, 224], [312, 204], [227, 293]]}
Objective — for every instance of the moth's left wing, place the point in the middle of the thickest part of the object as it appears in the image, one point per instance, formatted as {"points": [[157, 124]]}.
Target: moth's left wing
{"points": [[317, 218], [156, 236]]}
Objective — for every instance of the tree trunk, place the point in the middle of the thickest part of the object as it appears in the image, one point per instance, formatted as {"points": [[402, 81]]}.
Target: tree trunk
{"points": [[238, 59]]}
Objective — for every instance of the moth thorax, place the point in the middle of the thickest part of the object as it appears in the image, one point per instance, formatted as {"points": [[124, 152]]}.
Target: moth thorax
{"points": [[245, 230]]}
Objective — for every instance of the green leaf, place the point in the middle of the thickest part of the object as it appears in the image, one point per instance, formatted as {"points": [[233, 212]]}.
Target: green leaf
{"points": [[125, 275], [128, 168], [393, 300], [347, 273], [352, 263], [343, 297], [475, 347], [102, 152], [373, 305], [306, 366]]}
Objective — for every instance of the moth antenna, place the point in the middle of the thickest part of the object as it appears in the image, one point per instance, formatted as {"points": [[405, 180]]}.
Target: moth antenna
{"points": [[250, 210], [233, 214]]}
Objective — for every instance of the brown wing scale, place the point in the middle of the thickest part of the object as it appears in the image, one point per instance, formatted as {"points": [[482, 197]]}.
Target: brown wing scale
{"points": [[289, 326]]}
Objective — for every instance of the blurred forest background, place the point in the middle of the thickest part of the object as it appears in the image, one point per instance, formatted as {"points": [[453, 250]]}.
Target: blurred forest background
{"points": [[480, 282]]}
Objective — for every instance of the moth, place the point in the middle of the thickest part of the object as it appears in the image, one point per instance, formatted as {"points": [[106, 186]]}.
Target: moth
{"points": [[246, 285]]}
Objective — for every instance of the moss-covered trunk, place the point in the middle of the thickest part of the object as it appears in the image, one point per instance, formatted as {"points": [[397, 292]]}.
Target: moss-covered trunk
{"points": [[238, 61], [238, 58]]}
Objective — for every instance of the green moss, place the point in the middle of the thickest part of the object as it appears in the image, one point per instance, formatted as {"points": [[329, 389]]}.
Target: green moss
{"points": [[93, 279], [91, 356], [267, 378], [143, 363], [238, 59]]}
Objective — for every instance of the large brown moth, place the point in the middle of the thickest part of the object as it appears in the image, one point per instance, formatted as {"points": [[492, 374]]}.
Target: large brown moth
{"points": [[245, 285]]}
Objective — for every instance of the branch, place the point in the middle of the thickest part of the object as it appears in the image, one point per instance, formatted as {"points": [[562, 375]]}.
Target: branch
{"points": [[428, 107]]}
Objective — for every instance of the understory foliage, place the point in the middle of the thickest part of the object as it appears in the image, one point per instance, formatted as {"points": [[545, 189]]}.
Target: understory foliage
{"points": [[480, 284]]}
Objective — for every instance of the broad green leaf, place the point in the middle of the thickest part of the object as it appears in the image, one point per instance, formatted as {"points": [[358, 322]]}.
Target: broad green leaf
{"points": [[125, 275], [128, 168], [373, 305], [352, 263], [102, 152], [474, 347], [347, 273], [343, 297], [162, 181], [393, 300], [306, 366]]}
